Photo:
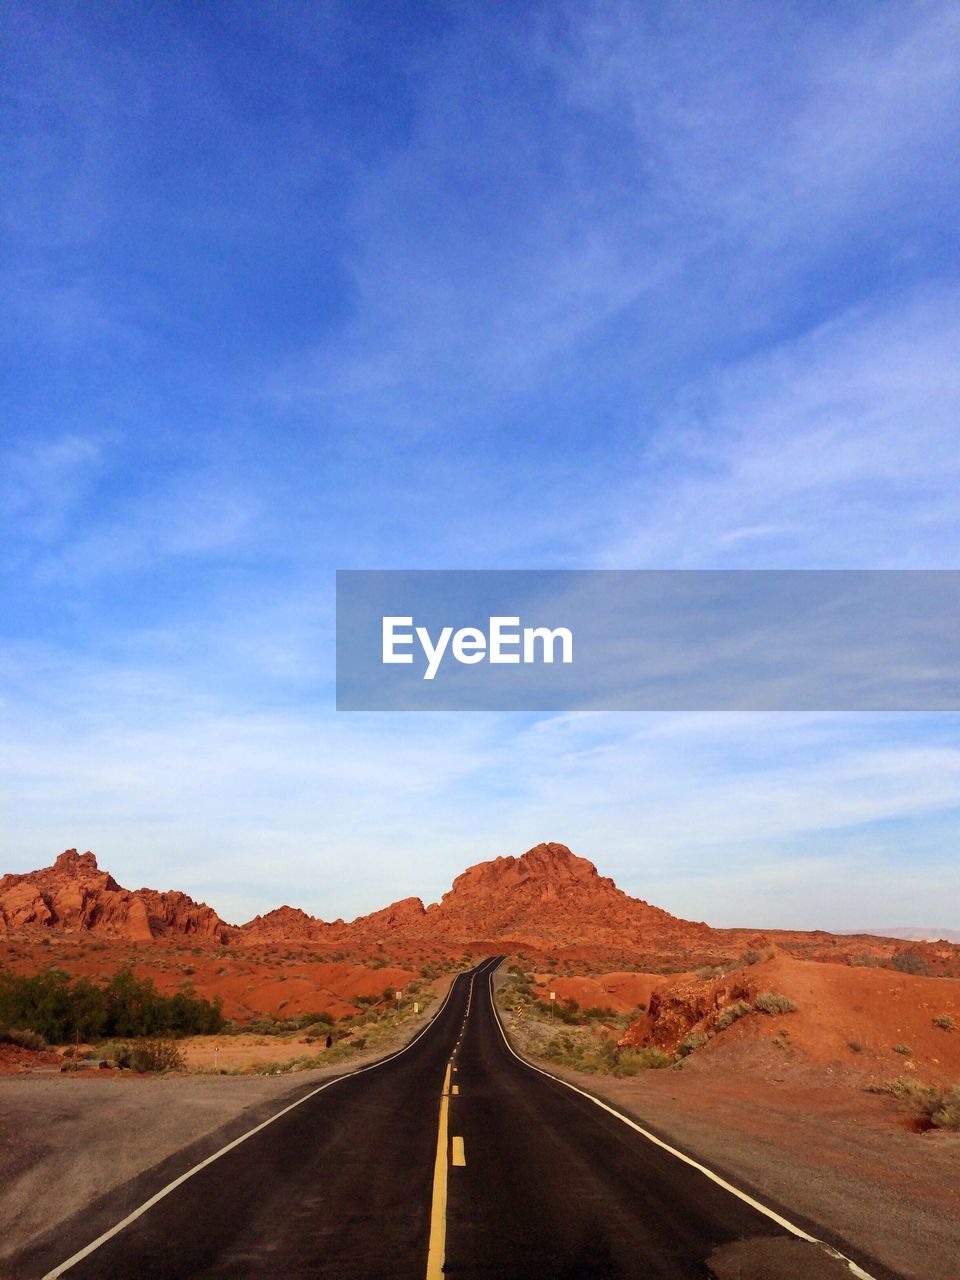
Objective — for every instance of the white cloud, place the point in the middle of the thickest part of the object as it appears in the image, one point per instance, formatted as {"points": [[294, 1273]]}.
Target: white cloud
{"points": [[838, 449]]}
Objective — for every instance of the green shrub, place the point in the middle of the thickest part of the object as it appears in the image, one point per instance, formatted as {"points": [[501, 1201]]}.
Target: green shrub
{"points": [[567, 1011], [695, 1040], [156, 1055], [934, 1106], [947, 1114], [600, 1013], [773, 1002], [733, 1013], [22, 1038], [945, 1021], [60, 1009], [910, 962], [631, 1061], [904, 1049]]}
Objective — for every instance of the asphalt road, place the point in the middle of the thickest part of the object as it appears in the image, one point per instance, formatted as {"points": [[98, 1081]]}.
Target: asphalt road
{"points": [[451, 1159]]}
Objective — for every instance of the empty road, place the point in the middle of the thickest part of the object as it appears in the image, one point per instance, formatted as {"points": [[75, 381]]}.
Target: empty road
{"points": [[451, 1159]]}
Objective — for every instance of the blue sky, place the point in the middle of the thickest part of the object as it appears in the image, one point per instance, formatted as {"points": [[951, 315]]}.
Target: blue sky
{"points": [[295, 287]]}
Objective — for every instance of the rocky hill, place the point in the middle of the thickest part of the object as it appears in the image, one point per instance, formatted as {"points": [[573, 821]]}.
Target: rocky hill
{"points": [[75, 895], [548, 900], [550, 897]]}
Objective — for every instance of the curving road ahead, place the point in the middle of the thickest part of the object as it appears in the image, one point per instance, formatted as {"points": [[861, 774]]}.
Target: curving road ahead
{"points": [[453, 1158]]}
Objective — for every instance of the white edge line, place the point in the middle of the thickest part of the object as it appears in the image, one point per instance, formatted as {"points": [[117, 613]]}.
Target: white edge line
{"points": [[694, 1164], [177, 1182]]}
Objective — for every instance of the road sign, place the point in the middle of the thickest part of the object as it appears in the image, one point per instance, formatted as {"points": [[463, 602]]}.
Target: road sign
{"points": [[553, 995]]}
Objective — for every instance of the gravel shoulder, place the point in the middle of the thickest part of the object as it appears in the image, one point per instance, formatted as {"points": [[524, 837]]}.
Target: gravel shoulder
{"points": [[66, 1140]]}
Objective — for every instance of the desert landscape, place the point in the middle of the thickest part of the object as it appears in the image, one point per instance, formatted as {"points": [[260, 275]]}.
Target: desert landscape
{"points": [[825, 1065]]}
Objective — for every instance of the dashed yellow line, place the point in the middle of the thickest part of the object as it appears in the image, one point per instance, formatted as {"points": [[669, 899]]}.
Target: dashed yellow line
{"points": [[438, 1210]]}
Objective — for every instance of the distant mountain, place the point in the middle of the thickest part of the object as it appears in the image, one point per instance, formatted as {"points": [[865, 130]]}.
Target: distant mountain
{"points": [[548, 900], [75, 895], [913, 933], [549, 897]]}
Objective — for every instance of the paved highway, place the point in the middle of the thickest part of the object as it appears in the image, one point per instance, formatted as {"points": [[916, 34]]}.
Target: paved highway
{"points": [[451, 1159]]}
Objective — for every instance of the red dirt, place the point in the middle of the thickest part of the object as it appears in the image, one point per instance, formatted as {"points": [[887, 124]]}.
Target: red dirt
{"points": [[549, 906], [847, 1019], [622, 992], [14, 1059]]}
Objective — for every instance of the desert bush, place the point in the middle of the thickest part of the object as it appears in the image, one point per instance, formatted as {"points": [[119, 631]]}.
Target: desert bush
{"points": [[945, 1022], [732, 1013], [631, 1061], [933, 1105], [59, 1009], [116, 1052], [755, 957], [600, 1013], [773, 1002], [567, 1011], [695, 1040], [22, 1038], [156, 1055], [308, 1020], [903, 1088], [910, 962], [904, 1049]]}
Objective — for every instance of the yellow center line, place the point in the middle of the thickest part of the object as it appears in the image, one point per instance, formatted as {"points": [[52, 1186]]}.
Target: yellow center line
{"points": [[436, 1248], [438, 1211]]}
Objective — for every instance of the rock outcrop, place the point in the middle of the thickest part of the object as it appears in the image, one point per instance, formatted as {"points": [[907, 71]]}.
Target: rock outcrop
{"points": [[550, 897], [547, 898], [74, 895]]}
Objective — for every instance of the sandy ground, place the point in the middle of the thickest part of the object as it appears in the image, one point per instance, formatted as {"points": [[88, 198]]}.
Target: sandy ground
{"points": [[245, 1052], [811, 1142], [65, 1140]]}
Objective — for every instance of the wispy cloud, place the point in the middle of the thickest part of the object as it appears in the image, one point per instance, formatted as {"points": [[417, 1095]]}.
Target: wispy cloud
{"points": [[835, 449]]}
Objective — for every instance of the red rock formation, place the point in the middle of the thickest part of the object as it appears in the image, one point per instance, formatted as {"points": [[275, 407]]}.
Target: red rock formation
{"points": [[549, 897], [403, 919], [547, 900], [175, 912], [286, 924], [75, 895]]}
